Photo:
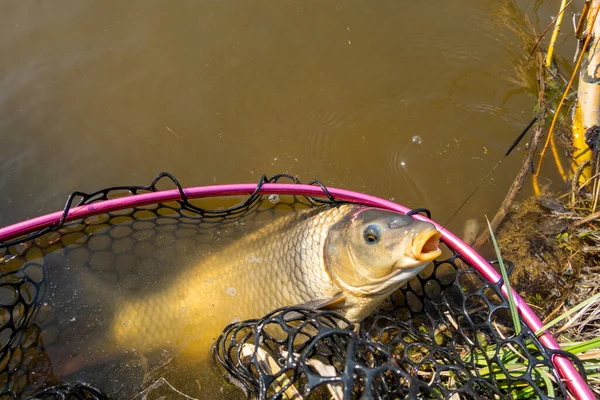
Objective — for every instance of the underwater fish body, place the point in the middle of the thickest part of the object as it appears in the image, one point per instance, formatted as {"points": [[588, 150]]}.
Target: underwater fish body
{"points": [[345, 257]]}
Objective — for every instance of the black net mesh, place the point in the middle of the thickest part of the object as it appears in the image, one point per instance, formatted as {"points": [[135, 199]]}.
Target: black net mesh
{"points": [[446, 334]]}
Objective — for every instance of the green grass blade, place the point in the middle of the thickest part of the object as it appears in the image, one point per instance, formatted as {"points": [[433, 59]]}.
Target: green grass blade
{"points": [[592, 344], [566, 314], [511, 300]]}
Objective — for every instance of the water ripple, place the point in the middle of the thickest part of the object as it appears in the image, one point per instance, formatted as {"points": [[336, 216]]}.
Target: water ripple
{"points": [[325, 128]]}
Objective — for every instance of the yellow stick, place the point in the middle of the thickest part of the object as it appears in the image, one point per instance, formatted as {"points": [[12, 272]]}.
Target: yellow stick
{"points": [[559, 17], [557, 161], [582, 19], [587, 108], [555, 34], [535, 46], [536, 187]]}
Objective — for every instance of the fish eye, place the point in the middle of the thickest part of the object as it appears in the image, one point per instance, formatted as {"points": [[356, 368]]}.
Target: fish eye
{"points": [[372, 234]]}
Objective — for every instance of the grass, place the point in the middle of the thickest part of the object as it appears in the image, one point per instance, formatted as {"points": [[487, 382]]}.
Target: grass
{"points": [[511, 300], [515, 363]]}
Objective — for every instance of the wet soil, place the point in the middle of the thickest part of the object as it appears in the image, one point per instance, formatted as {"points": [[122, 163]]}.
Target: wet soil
{"points": [[553, 264]]}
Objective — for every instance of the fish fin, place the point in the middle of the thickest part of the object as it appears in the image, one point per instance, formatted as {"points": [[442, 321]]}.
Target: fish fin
{"points": [[333, 303]]}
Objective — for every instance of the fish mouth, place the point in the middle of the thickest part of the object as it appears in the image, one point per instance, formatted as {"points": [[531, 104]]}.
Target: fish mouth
{"points": [[426, 245]]}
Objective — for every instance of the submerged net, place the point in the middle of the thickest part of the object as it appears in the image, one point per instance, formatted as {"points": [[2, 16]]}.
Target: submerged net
{"points": [[445, 335]]}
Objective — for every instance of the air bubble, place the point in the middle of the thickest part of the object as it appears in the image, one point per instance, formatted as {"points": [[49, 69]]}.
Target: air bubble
{"points": [[273, 198]]}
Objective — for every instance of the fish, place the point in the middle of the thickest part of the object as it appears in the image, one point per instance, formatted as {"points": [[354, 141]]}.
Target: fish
{"points": [[343, 257], [346, 257]]}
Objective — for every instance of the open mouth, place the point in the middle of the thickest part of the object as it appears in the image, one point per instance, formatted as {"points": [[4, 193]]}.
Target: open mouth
{"points": [[426, 246]]}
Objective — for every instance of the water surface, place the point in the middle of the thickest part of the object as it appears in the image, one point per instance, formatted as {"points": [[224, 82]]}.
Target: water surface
{"points": [[99, 94]]}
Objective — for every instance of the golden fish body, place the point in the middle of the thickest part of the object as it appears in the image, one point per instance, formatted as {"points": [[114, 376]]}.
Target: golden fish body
{"points": [[258, 273], [313, 258]]}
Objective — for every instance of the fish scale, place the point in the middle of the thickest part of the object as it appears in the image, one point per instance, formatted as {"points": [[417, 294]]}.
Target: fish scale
{"points": [[278, 265]]}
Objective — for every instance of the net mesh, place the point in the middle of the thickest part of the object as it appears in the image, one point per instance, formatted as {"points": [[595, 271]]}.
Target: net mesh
{"points": [[444, 335]]}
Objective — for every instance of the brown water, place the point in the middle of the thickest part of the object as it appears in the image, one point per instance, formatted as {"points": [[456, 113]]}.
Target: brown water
{"points": [[96, 94], [99, 94]]}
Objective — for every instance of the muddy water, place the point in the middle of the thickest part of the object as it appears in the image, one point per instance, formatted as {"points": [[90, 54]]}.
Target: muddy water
{"points": [[99, 94], [412, 101]]}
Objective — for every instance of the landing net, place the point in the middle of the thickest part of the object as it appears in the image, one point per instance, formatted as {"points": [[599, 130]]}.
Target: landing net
{"points": [[447, 334]]}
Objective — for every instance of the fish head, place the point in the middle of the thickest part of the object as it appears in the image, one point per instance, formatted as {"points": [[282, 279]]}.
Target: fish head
{"points": [[372, 251]]}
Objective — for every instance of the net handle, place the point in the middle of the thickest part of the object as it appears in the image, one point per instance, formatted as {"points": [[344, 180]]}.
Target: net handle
{"points": [[568, 372]]}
